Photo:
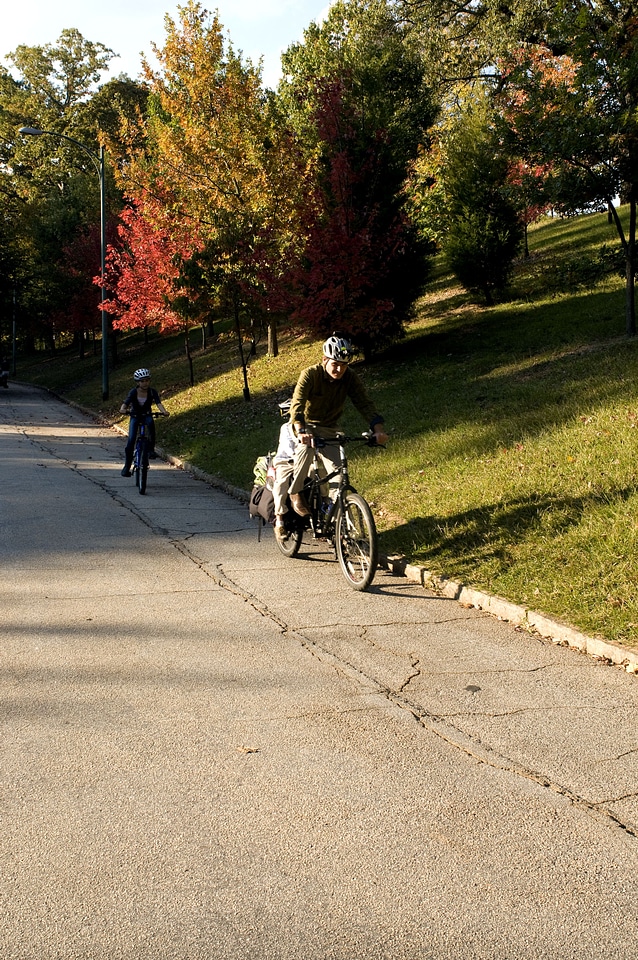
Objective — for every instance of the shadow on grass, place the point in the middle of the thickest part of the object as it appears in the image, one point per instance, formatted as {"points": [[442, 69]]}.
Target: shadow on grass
{"points": [[484, 537], [484, 384], [516, 329]]}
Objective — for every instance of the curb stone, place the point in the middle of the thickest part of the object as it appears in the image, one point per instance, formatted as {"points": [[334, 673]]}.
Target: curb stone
{"points": [[519, 616]]}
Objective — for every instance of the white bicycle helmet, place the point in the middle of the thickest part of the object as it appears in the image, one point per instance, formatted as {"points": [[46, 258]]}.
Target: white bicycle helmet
{"points": [[142, 374], [336, 348]]}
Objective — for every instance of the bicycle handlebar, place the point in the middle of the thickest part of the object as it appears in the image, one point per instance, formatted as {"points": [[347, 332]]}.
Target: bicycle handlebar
{"points": [[369, 438], [153, 413]]}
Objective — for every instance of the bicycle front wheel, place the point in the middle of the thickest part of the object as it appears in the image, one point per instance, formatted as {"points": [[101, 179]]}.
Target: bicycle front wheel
{"points": [[142, 472], [356, 542], [142, 478]]}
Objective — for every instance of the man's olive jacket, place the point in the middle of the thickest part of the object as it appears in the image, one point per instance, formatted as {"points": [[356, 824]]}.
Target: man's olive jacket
{"points": [[318, 400]]}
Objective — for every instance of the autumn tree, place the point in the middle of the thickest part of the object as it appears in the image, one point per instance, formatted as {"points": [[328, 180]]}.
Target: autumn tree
{"points": [[211, 144], [49, 186], [482, 229], [462, 40], [527, 187], [566, 78], [355, 93], [144, 274], [79, 314], [572, 99]]}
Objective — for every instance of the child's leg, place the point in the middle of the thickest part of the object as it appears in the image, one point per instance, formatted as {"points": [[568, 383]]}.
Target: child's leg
{"points": [[129, 449], [283, 473]]}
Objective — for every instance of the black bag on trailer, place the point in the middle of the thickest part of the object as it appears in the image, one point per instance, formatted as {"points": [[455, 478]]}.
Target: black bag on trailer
{"points": [[262, 503]]}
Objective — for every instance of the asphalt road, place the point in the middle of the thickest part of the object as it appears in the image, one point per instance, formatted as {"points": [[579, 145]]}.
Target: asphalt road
{"points": [[210, 752]]}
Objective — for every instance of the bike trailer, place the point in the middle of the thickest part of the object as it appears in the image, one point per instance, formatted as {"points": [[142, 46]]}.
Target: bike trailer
{"points": [[262, 504]]}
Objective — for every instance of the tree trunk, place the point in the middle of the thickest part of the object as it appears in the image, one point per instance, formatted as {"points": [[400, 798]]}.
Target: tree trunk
{"points": [[630, 270], [628, 244], [189, 358], [241, 351], [112, 334], [273, 346]]}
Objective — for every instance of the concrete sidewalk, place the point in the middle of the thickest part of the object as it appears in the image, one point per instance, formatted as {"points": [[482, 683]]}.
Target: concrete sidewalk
{"points": [[536, 623], [209, 751]]}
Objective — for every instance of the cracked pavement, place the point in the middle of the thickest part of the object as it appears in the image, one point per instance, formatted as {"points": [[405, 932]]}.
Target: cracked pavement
{"points": [[210, 750]]}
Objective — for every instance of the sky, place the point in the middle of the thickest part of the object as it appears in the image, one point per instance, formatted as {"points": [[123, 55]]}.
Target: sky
{"points": [[259, 28]]}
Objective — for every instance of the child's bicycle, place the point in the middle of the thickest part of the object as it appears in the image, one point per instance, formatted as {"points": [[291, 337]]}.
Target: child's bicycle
{"points": [[344, 520], [141, 455]]}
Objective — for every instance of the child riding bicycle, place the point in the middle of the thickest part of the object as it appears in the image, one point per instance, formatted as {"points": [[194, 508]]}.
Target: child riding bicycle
{"points": [[139, 403]]}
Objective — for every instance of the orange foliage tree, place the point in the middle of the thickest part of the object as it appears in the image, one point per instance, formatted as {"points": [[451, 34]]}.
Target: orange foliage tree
{"points": [[571, 99], [232, 172]]}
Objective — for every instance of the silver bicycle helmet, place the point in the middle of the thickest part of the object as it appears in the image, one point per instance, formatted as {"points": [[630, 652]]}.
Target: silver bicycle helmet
{"points": [[336, 348], [142, 374]]}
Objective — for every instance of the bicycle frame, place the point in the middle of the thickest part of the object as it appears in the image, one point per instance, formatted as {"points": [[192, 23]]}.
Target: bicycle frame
{"points": [[140, 453], [141, 438], [317, 482], [347, 524]]}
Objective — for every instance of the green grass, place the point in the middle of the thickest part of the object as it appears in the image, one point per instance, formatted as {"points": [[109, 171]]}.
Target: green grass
{"points": [[514, 428]]}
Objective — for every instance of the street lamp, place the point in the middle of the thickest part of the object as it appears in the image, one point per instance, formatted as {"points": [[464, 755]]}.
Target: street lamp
{"points": [[98, 163]]}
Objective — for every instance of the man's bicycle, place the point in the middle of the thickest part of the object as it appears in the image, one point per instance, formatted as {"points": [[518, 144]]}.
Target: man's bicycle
{"points": [[142, 450], [344, 519]]}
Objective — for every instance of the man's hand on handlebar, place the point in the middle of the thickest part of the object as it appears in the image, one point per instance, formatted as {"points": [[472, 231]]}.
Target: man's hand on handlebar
{"points": [[305, 436]]}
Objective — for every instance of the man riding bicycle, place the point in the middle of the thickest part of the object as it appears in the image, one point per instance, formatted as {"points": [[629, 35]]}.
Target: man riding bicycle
{"points": [[139, 403], [317, 405]]}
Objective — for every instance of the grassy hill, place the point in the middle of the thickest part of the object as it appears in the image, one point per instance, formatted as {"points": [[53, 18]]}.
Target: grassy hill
{"points": [[514, 427]]}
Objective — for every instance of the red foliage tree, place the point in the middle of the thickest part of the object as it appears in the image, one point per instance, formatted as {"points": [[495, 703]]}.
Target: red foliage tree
{"points": [[141, 271], [356, 234], [76, 268], [527, 183]]}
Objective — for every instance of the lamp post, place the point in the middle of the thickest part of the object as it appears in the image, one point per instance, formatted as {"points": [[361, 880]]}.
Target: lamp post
{"points": [[98, 163]]}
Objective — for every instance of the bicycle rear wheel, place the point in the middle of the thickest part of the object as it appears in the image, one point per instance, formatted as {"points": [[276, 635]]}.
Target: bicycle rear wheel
{"points": [[356, 542], [290, 545]]}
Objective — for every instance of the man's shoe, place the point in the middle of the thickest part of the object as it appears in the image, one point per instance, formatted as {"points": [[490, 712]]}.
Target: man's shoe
{"points": [[280, 529], [126, 472], [299, 505]]}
